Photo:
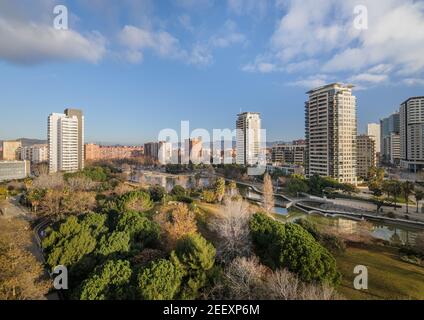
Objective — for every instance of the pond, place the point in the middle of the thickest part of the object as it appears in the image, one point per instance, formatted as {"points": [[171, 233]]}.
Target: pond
{"points": [[395, 234]]}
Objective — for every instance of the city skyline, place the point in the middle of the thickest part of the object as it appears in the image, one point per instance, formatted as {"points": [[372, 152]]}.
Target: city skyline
{"points": [[139, 88]]}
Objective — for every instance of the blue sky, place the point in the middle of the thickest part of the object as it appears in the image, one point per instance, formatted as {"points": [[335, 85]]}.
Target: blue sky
{"points": [[136, 67]]}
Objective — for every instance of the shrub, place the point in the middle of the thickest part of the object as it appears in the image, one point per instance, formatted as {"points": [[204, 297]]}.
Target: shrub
{"points": [[292, 247]]}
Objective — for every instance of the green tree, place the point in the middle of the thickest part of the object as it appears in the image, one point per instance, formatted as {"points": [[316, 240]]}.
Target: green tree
{"points": [[219, 189], [108, 282], [196, 256], [134, 201], [419, 195], [34, 198], [116, 242], [208, 196], [141, 230], [407, 189], [160, 280], [157, 193], [292, 247], [178, 191]]}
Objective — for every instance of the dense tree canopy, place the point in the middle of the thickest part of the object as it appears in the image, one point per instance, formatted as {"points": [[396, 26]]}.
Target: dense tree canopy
{"points": [[292, 247]]}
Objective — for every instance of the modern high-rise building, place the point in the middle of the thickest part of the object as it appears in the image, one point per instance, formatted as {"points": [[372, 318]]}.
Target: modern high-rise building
{"points": [[66, 141], [374, 131], [248, 139], [10, 150], [412, 133], [331, 132], [366, 156], [390, 127]]}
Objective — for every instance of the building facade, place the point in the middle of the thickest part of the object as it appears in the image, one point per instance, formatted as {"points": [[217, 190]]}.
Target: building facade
{"points": [[330, 127], [95, 152], [366, 156], [248, 139], [390, 127], [66, 141], [374, 131], [14, 170], [35, 153], [289, 153], [412, 134], [11, 150]]}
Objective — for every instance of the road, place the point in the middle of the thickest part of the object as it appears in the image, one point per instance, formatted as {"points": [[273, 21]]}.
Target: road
{"points": [[15, 210]]}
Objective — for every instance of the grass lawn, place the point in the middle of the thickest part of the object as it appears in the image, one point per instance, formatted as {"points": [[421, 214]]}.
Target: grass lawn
{"points": [[388, 276]]}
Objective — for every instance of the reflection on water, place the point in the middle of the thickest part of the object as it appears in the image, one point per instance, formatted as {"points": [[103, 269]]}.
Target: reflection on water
{"points": [[169, 182], [394, 233]]}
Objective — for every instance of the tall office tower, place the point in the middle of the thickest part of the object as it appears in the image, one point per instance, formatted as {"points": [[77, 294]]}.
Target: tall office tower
{"points": [[390, 127], [10, 150], [248, 139], [193, 150], [330, 129], [66, 141], [366, 156], [374, 131], [412, 133]]}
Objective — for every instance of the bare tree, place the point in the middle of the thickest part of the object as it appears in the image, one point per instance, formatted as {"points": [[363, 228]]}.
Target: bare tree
{"points": [[232, 227], [54, 181], [244, 279], [268, 202], [21, 275], [81, 184]]}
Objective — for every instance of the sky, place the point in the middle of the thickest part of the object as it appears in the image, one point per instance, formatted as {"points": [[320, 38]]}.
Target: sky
{"points": [[136, 67]]}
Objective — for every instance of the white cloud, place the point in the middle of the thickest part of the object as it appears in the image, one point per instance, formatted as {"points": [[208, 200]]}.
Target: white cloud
{"points": [[185, 21], [32, 43], [194, 4], [414, 82], [200, 55], [258, 8], [136, 40], [24, 42], [313, 31], [310, 82], [228, 36]]}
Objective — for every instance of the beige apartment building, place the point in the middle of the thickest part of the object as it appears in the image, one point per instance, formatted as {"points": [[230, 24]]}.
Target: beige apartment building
{"points": [[331, 132], [95, 152], [10, 150], [288, 154], [366, 155]]}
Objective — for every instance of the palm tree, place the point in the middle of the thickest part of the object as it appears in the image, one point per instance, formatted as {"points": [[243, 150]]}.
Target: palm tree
{"points": [[419, 195], [407, 188], [396, 188]]}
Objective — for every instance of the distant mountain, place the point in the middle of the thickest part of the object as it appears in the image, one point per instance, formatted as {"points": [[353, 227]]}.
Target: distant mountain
{"points": [[29, 142]]}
